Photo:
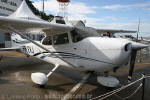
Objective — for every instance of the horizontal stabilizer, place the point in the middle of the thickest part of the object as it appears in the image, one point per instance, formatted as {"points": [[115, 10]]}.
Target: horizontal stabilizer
{"points": [[11, 49], [103, 31]]}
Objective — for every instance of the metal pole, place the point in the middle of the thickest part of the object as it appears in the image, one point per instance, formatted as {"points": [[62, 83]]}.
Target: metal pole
{"points": [[138, 29], [43, 6], [143, 88]]}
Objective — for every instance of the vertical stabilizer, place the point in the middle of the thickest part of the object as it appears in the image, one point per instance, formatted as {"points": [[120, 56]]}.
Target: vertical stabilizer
{"points": [[17, 40]]}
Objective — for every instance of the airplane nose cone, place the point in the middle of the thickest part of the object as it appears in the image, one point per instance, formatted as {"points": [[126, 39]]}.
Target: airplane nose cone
{"points": [[137, 46]]}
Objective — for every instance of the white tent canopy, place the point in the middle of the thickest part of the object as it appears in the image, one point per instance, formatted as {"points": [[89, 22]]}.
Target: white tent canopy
{"points": [[24, 12]]}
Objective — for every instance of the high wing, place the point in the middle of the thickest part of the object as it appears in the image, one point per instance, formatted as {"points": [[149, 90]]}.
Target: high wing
{"points": [[31, 26], [113, 31]]}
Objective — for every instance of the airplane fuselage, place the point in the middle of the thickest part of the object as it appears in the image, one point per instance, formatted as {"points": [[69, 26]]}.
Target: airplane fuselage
{"points": [[91, 54]]}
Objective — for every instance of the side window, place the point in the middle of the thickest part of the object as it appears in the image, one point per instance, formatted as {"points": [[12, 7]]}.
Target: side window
{"points": [[60, 39], [75, 36], [47, 41]]}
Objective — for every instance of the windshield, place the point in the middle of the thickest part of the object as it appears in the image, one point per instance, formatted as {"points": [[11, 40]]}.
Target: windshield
{"points": [[79, 34]]}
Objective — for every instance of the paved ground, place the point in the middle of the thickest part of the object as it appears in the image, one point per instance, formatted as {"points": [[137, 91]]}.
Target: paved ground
{"points": [[15, 82]]}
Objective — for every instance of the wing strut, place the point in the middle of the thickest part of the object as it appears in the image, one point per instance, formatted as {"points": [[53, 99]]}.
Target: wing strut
{"points": [[37, 44]]}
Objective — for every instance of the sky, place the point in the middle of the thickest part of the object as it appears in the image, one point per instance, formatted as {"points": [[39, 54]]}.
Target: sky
{"points": [[106, 14]]}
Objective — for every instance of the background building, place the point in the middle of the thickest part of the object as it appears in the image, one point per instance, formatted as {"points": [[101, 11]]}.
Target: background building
{"points": [[7, 7]]}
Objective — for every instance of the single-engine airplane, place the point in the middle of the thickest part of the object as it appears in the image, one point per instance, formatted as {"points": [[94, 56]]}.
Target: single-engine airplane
{"points": [[74, 46]]}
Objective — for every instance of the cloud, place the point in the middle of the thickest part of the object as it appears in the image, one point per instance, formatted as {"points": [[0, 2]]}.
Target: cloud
{"points": [[119, 6], [147, 9], [81, 8], [81, 11], [75, 8], [50, 5], [96, 21]]}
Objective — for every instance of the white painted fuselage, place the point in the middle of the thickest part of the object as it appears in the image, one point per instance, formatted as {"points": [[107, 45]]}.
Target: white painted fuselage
{"points": [[91, 54]]}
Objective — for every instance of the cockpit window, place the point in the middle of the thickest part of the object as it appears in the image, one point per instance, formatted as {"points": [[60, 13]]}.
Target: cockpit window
{"points": [[47, 41], [60, 39], [75, 36]]}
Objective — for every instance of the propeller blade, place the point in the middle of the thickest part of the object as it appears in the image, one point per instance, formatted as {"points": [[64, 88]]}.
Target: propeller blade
{"points": [[132, 64], [135, 47]]}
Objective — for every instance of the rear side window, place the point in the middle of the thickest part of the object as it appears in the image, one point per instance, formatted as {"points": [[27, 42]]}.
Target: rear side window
{"points": [[60, 39], [47, 41]]}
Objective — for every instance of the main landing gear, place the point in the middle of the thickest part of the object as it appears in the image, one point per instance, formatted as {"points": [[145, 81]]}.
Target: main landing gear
{"points": [[108, 81], [41, 78]]}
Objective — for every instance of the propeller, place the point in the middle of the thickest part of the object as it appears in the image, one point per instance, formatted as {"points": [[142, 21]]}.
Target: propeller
{"points": [[135, 47], [132, 64]]}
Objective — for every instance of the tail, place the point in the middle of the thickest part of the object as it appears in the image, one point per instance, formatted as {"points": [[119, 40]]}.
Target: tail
{"points": [[17, 43], [17, 40]]}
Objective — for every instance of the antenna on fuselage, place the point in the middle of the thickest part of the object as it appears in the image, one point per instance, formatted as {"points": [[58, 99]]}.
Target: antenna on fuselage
{"points": [[43, 6]]}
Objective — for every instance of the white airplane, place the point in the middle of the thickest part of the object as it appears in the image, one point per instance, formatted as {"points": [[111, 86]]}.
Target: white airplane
{"points": [[77, 46]]}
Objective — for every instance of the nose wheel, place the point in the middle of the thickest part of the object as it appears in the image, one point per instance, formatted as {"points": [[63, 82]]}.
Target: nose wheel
{"points": [[41, 78]]}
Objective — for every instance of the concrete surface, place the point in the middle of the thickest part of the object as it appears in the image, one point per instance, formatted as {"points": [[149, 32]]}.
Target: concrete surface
{"points": [[15, 82]]}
